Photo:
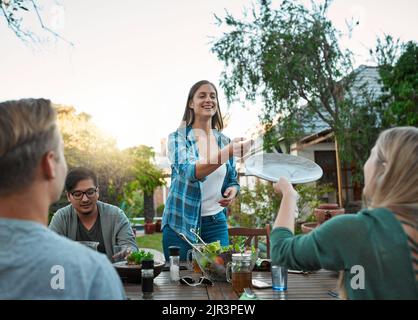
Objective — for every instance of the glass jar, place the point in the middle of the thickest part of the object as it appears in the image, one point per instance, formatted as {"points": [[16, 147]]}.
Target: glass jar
{"points": [[174, 263], [239, 272], [192, 259], [147, 278]]}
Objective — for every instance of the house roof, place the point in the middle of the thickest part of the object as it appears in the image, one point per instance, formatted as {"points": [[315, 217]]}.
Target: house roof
{"points": [[368, 78], [315, 128], [316, 135]]}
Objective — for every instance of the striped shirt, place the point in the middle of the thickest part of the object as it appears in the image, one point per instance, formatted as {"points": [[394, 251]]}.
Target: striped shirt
{"points": [[183, 207]]}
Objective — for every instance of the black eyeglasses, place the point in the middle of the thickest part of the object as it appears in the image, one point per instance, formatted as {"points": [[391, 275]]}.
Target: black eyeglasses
{"points": [[78, 195], [192, 283]]}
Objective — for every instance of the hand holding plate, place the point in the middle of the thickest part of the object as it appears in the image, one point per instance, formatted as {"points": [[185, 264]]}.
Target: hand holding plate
{"points": [[284, 187], [241, 146]]}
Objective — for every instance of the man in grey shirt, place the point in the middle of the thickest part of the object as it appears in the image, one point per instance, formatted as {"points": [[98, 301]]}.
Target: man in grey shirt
{"points": [[36, 263], [87, 219]]}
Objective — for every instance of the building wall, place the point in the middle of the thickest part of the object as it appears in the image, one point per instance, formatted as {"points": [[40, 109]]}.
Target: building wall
{"points": [[309, 152]]}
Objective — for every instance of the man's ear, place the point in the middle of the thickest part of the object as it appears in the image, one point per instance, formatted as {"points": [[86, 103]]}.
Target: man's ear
{"points": [[49, 165], [68, 196]]}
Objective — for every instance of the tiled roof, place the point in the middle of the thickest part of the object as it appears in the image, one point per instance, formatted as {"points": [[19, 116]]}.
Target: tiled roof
{"points": [[367, 77]]}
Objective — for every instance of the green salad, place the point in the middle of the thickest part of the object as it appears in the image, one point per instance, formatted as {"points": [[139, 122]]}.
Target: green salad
{"points": [[136, 257], [216, 248], [214, 258]]}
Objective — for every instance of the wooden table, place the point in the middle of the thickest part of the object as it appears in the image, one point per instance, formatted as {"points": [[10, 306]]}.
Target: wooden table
{"points": [[314, 286]]}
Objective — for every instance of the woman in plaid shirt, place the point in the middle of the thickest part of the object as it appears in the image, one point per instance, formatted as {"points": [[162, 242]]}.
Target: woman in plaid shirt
{"points": [[204, 181]]}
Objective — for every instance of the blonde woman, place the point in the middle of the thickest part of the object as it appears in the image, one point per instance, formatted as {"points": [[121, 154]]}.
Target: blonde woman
{"points": [[381, 240]]}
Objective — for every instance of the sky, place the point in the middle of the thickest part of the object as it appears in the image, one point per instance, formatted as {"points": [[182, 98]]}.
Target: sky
{"points": [[134, 61]]}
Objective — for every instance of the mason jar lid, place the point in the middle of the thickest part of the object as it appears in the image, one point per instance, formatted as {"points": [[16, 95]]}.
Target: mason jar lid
{"points": [[241, 256]]}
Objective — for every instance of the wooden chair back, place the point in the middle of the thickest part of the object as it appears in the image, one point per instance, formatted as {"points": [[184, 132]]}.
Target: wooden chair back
{"points": [[252, 233]]}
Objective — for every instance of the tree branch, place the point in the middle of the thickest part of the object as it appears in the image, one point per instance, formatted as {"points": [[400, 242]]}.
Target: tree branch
{"points": [[330, 82], [14, 25], [46, 28], [317, 111]]}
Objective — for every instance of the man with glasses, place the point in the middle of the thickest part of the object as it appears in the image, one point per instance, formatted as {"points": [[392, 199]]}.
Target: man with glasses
{"points": [[87, 219]]}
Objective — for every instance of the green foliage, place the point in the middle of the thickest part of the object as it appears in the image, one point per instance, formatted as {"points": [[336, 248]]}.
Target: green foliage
{"points": [[387, 51], [237, 246], [310, 197], [132, 201], [364, 118], [258, 206], [160, 209], [238, 242], [87, 146], [126, 178], [291, 57], [400, 82], [236, 219], [137, 257], [147, 177], [213, 247], [285, 56]]}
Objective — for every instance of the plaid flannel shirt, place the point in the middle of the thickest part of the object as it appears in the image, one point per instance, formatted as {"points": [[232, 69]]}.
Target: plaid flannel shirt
{"points": [[183, 206]]}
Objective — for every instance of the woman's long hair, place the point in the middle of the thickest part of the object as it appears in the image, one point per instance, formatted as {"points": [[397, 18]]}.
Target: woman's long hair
{"points": [[188, 116], [395, 180], [394, 184]]}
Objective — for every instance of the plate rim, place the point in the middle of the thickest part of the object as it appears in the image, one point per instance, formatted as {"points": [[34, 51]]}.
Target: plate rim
{"points": [[254, 172], [132, 266]]}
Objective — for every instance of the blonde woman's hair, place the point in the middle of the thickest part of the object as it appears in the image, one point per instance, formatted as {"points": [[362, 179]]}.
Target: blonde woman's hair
{"points": [[27, 131], [395, 179]]}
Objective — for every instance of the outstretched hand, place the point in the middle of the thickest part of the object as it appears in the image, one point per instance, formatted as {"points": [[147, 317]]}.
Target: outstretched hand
{"points": [[229, 197], [241, 146]]}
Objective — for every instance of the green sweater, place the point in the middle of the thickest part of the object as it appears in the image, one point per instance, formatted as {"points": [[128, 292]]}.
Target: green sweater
{"points": [[373, 239]]}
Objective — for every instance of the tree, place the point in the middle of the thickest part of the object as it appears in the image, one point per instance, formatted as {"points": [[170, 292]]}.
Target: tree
{"points": [[15, 12], [258, 206], [124, 176], [147, 177], [291, 58], [86, 145], [400, 83], [286, 56]]}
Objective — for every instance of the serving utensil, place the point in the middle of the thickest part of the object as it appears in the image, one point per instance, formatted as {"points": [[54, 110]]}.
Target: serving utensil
{"points": [[198, 237], [189, 242]]}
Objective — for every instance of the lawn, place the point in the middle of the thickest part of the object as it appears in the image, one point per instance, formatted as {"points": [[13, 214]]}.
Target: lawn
{"points": [[153, 241]]}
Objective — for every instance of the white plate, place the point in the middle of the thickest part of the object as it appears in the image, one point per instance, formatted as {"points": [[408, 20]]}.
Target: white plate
{"points": [[272, 166]]}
